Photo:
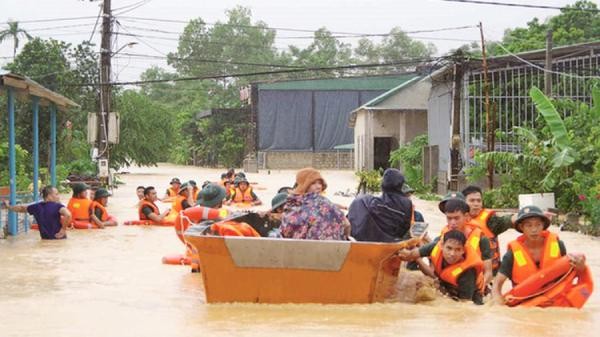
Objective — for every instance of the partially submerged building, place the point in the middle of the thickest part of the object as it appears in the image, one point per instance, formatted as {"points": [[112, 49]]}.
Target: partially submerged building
{"points": [[388, 121], [456, 106], [303, 123]]}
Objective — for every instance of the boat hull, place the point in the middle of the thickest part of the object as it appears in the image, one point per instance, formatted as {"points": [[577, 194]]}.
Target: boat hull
{"points": [[264, 270]]}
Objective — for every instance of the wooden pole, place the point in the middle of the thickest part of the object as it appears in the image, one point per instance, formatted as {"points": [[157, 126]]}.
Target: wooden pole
{"points": [[456, 105], [105, 88], [548, 67], [488, 117]]}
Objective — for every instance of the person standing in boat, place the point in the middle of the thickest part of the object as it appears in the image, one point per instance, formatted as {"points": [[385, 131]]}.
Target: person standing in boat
{"points": [[382, 219], [535, 250], [52, 216], [310, 215]]}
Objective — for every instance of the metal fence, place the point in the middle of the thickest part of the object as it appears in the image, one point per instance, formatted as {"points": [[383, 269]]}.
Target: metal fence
{"points": [[509, 97]]}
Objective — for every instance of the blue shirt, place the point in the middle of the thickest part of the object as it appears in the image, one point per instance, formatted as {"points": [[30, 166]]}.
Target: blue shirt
{"points": [[47, 215]]}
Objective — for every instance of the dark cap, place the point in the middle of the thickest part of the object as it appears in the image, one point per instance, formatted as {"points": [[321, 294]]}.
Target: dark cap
{"points": [[449, 196], [531, 212], [183, 187], [101, 193], [211, 195], [175, 180], [278, 200], [80, 187]]}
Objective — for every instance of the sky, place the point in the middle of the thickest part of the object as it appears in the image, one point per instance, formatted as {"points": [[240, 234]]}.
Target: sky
{"points": [[352, 16]]}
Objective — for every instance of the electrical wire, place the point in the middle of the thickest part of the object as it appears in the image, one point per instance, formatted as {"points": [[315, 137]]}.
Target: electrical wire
{"points": [[50, 20], [544, 69], [133, 7], [507, 4], [146, 56], [241, 75], [95, 25]]}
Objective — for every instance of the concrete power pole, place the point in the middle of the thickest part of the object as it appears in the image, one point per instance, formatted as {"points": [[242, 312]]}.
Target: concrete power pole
{"points": [[105, 91]]}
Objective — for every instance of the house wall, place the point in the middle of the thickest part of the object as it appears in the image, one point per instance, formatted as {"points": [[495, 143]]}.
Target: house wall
{"points": [[439, 118], [411, 124], [412, 97], [359, 140], [336, 160]]}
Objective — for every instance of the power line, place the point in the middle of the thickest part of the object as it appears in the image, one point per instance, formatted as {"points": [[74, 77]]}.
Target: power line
{"points": [[95, 25], [133, 7], [542, 68], [273, 72], [312, 36], [51, 20], [145, 56], [523, 5]]}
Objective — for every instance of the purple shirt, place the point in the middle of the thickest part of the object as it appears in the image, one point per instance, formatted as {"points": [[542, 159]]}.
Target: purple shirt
{"points": [[47, 215]]}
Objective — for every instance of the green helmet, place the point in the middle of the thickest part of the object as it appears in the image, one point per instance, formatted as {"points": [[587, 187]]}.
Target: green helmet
{"points": [[449, 196], [531, 212], [101, 193]]}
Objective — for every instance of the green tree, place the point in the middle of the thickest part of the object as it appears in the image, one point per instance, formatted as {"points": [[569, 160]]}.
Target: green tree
{"points": [[577, 23], [324, 51], [58, 66], [395, 47], [146, 131], [13, 31]]}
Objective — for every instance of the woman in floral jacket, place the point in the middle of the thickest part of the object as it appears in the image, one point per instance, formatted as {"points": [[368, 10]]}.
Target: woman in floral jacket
{"points": [[309, 215]]}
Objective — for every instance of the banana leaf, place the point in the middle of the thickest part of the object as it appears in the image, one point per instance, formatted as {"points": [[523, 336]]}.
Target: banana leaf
{"points": [[552, 118], [595, 110], [563, 158]]}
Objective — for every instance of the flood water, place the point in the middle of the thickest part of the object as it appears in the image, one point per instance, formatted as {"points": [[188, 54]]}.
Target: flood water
{"points": [[111, 283]]}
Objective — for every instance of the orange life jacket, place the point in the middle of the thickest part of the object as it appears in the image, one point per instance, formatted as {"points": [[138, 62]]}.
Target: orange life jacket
{"points": [[239, 196], [79, 208], [473, 235], [195, 194], [95, 205], [524, 265], [481, 222], [195, 215], [145, 203], [172, 192], [232, 228], [451, 273], [176, 206]]}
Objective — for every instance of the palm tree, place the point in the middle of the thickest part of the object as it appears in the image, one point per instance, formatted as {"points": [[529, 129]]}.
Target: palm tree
{"points": [[14, 31]]}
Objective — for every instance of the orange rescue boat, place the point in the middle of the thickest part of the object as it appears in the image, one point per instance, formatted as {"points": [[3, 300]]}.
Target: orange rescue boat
{"points": [[266, 270]]}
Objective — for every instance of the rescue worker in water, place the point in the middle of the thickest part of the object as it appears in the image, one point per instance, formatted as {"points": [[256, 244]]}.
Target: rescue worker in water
{"points": [[457, 257], [536, 249]]}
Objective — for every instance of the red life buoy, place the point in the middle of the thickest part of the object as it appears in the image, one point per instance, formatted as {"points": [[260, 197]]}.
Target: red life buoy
{"points": [[176, 259], [78, 224], [557, 285], [195, 215]]}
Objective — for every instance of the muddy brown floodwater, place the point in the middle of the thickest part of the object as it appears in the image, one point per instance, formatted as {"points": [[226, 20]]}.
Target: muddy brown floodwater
{"points": [[111, 283]]}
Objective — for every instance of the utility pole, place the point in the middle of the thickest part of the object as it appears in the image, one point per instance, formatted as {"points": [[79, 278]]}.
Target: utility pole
{"points": [[456, 109], [548, 74], [105, 90], [489, 120]]}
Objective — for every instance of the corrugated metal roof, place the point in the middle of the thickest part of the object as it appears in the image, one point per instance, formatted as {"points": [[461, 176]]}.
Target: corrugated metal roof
{"points": [[389, 93], [346, 83]]}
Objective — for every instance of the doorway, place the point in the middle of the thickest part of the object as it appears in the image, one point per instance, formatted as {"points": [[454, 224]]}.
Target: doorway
{"points": [[382, 148]]}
